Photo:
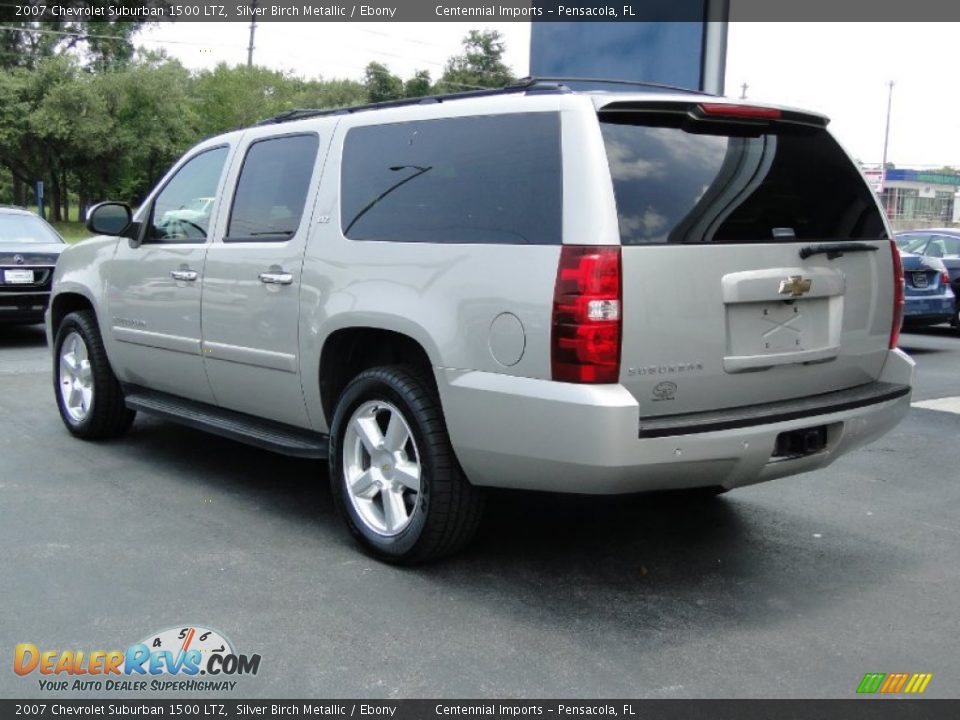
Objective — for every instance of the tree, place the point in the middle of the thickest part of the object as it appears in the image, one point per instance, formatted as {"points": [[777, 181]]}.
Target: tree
{"points": [[481, 64], [227, 98], [419, 85], [98, 45], [154, 119], [31, 143], [381, 84], [330, 94]]}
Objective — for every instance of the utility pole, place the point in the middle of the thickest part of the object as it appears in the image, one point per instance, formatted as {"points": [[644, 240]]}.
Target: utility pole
{"points": [[743, 95], [886, 141], [253, 29]]}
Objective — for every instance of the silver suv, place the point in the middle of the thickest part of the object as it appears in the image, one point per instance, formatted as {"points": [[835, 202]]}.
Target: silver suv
{"points": [[527, 288]]}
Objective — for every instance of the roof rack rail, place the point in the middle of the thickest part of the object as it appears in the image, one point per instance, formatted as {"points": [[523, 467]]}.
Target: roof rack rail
{"points": [[526, 85], [609, 81]]}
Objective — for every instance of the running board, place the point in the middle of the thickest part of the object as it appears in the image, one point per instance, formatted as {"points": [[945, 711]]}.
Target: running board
{"points": [[265, 434]]}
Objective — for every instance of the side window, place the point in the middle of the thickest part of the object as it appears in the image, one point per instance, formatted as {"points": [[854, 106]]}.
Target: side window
{"points": [[272, 189], [181, 212], [488, 179], [951, 246]]}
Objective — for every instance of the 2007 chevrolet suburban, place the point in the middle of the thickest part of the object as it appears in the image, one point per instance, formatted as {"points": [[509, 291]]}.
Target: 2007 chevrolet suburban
{"points": [[587, 292]]}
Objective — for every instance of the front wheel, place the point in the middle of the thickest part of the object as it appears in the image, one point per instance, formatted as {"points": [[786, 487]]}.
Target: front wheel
{"points": [[88, 394], [393, 472]]}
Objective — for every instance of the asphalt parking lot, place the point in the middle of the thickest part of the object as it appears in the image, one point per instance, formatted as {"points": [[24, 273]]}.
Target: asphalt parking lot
{"points": [[794, 588]]}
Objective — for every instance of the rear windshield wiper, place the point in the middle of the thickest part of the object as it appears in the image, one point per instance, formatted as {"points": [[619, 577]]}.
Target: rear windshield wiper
{"points": [[835, 250]]}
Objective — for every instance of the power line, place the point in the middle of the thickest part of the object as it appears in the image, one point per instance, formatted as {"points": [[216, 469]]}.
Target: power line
{"points": [[86, 36], [402, 39]]}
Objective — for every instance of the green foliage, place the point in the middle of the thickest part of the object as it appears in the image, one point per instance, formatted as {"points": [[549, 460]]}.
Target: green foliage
{"points": [[381, 84], [227, 98], [98, 46], [72, 232], [330, 94], [419, 85], [480, 66], [153, 117]]}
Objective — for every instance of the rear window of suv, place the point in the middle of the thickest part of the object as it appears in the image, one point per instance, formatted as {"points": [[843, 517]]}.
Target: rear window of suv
{"points": [[486, 179], [726, 184]]}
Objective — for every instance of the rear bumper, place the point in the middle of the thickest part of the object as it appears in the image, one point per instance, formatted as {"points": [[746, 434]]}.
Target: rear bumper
{"points": [[540, 435], [929, 310]]}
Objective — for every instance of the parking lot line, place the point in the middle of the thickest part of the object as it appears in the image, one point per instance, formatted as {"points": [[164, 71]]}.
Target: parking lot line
{"points": [[947, 404]]}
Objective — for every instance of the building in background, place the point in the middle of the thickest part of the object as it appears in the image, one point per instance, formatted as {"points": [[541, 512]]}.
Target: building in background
{"points": [[920, 198]]}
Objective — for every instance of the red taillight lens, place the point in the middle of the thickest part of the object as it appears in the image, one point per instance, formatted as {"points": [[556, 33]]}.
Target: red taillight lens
{"points": [[587, 309], [898, 298], [945, 278], [740, 111]]}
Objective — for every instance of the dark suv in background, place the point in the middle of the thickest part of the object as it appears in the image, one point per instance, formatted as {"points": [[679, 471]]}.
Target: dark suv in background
{"points": [[29, 249]]}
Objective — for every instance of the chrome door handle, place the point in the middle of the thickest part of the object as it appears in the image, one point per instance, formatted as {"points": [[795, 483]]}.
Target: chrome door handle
{"points": [[187, 275], [276, 278]]}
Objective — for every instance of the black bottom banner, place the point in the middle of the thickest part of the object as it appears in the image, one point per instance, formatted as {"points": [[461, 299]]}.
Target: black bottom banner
{"points": [[855, 709]]}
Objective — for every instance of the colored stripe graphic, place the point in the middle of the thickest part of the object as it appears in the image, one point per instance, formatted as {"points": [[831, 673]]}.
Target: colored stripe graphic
{"points": [[893, 683], [918, 683], [871, 682]]}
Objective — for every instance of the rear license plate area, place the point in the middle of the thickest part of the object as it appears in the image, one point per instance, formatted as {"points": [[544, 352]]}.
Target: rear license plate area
{"points": [[798, 443], [920, 280]]}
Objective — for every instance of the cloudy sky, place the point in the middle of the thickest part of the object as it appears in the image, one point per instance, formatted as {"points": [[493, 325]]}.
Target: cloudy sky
{"points": [[839, 69]]}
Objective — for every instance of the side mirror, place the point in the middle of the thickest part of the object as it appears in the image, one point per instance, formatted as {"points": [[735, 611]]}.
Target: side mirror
{"points": [[109, 218]]}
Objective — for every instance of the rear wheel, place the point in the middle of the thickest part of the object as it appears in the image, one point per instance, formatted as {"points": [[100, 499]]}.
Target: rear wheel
{"points": [[393, 472], [88, 394]]}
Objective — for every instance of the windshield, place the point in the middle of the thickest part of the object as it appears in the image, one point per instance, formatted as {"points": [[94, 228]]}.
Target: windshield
{"points": [[678, 184], [26, 229]]}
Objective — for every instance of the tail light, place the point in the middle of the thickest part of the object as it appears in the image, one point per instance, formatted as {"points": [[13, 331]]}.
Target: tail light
{"points": [[587, 315], [945, 279], [898, 297]]}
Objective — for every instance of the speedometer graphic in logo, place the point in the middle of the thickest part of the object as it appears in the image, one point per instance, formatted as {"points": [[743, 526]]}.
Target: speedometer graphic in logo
{"points": [[179, 641]]}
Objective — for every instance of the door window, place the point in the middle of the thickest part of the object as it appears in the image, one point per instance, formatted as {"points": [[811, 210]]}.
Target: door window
{"points": [[181, 212], [272, 189]]}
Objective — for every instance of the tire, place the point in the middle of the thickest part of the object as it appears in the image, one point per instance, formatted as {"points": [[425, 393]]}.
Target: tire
{"points": [[407, 502], [88, 394]]}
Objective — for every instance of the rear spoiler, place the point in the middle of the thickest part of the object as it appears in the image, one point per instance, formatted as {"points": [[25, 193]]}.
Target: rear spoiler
{"points": [[724, 112]]}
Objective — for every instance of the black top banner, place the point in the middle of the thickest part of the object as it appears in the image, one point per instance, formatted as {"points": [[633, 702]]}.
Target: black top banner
{"points": [[473, 11]]}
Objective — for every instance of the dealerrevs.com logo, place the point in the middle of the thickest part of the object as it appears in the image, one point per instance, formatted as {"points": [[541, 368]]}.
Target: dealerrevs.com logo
{"points": [[176, 659]]}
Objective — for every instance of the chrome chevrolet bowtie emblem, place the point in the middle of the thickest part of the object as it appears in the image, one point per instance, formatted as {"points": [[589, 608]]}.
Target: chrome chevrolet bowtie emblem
{"points": [[795, 286], [18, 259]]}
